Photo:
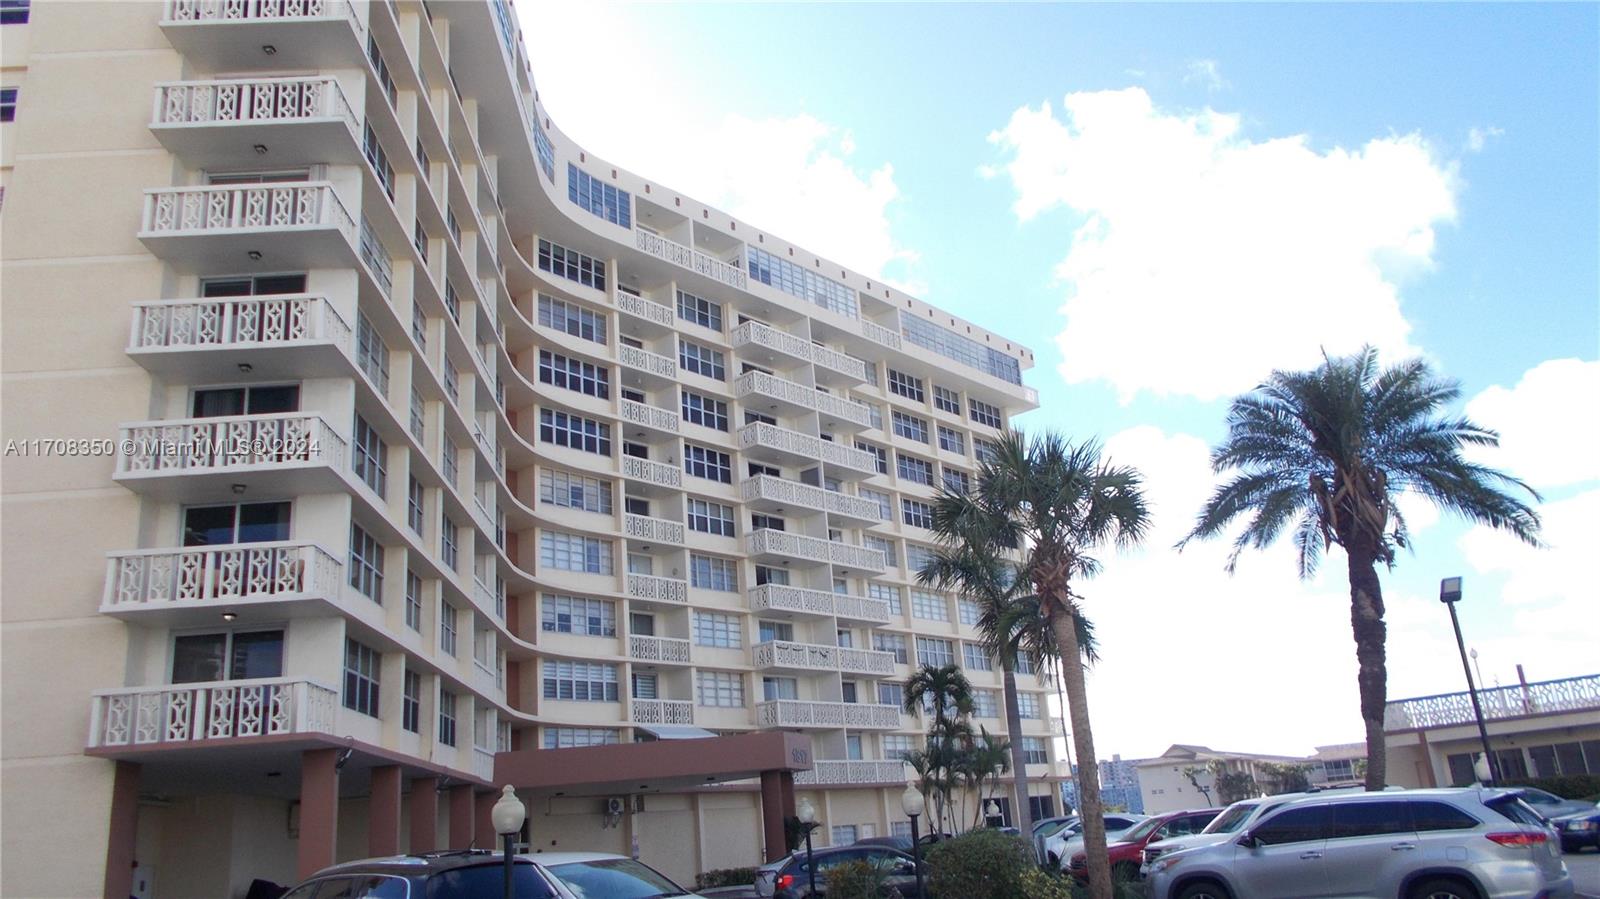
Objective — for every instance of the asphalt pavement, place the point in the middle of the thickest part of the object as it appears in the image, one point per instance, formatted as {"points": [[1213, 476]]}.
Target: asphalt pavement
{"points": [[1585, 868]]}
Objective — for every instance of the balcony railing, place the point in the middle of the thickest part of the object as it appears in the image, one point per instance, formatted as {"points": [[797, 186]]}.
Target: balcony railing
{"points": [[236, 323], [181, 713], [483, 763], [660, 589], [814, 549], [798, 713], [658, 473], [255, 100], [254, 10], [662, 711], [223, 208], [796, 600], [755, 333], [843, 363], [820, 657], [648, 310], [1572, 694], [153, 578], [861, 608], [694, 260], [650, 416], [659, 530], [853, 771], [658, 649], [759, 435], [774, 387], [648, 362], [794, 493], [229, 442], [879, 334]]}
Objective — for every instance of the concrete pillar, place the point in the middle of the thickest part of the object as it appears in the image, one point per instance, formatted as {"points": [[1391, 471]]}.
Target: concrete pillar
{"points": [[124, 826], [424, 802], [786, 790], [461, 817], [483, 822], [772, 815], [319, 810], [383, 826]]}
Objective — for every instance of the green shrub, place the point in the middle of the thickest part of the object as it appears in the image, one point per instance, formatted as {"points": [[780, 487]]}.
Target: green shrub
{"points": [[725, 877], [1036, 884], [980, 864], [1567, 786], [856, 880]]}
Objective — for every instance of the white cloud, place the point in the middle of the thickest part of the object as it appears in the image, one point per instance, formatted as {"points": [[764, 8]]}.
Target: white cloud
{"points": [[1549, 424], [1205, 72], [1478, 138], [1566, 569], [1252, 255], [792, 175]]}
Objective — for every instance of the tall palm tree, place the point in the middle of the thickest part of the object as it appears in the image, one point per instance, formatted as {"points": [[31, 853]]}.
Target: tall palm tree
{"points": [[987, 758], [1325, 452], [1058, 503], [948, 692]]}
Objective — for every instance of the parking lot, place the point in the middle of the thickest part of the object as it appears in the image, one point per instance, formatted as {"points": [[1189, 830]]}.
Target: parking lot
{"points": [[1585, 868]]}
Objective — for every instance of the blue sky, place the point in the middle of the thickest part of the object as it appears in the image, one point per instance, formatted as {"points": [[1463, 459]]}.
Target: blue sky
{"points": [[1213, 191]]}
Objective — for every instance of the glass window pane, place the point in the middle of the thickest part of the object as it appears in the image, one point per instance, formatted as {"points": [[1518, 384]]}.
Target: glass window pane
{"points": [[208, 525], [257, 655], [197, 658], [263, 522], [267, 400], [211, 403]]}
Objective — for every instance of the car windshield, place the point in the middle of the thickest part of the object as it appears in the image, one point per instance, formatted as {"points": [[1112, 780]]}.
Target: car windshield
{"points": [[1231, 819], [1143, 829], [614, 878], [487, 880], [1513, 808], [1540, 797], [1051, 830]]}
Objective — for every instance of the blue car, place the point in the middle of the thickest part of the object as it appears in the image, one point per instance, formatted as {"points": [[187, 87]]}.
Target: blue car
{"points": [[1579, 831]]}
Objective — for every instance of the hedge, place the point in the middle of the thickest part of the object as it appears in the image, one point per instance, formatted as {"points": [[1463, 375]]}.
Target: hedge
{"points": [[1567, 786], [725, 877]]}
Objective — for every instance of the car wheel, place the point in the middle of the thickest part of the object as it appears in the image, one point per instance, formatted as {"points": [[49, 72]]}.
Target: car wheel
{"points": [[1204, 889], [1442, 888]]}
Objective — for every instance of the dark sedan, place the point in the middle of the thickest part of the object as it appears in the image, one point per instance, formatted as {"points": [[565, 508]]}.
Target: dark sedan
{"points": [[789, 878], [1580, 831]]}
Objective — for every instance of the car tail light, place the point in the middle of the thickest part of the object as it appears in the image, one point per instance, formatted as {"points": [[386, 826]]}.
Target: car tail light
{"points": [[785, 881], [1518, 838]]}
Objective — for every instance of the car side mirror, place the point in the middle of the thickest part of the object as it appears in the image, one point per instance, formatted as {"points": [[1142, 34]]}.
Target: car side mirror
{"points": [[905, 868], [1248, 840]]}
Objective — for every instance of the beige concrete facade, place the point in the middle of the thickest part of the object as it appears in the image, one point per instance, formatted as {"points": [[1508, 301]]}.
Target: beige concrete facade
{"points": [[393, 164]]}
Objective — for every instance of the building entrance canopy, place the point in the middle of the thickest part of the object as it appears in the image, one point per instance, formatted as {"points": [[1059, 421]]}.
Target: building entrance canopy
{"points": [[672, 763]]}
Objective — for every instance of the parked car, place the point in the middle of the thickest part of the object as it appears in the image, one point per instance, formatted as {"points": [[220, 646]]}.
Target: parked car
{"points": [[476, 873], [1060, 846], [1578, 831], [1550, 805], [789, 878], [1458, 843], [1235, 818], [1125, 852]]}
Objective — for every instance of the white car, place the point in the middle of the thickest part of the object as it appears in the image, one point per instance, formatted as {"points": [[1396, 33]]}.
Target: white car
{"points": [[1059, 847]]}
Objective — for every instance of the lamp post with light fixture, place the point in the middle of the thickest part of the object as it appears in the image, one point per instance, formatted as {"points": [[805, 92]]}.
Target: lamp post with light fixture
{"points": [[507, 816], [911, 803], [807, 813], [1450, 594], [991, 814]]}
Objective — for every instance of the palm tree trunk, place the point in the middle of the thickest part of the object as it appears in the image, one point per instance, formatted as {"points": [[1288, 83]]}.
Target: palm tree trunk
{"points": [[1366, 621], [1019, 775], [1089, 804]]}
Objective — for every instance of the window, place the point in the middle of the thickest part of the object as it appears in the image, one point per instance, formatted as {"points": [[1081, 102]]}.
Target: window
{"points": [[891, 556], [714, 629], [384, 78], [572, 265], [448, 616], [710, 573], [452, 383], [779, 688], [14, 12], [419, 329], [766, 575], [573, 737], [575, 552], [1024, 663], [984, 703], [703, 462], [419, 239], [411, 702], [422, 154], [227, 655], [963, 349], [956, 481], [977, 658], [574, 491], [447, 718], [448, 535], [1427, 815], [885, 507], [543, 148], [918, 557], [946, 400], [450, 464], [573, 319], [895, 643], [1369, 819], [237, 523], [798, 281], [385, 172], [259, 400], [878, 452], [710, 518], [929, 606], [413, 601], [699, 311], [985, 450], [580, 681], [886, 592], [841, 834], [372, 354], [574, 432], [1294, 825], [705, 411], [701, 360], [369, 457], [1034, 751], [1028, 705], [910, 427], [910, 468], [721, 688], [905, 385], [760, 522], [360, 678], [967, 610], [984, 414], [574, 374], [937, 653], [951, 440], [896, 746], [596, 196], [565, 614], [917, 514], [366, 563]]}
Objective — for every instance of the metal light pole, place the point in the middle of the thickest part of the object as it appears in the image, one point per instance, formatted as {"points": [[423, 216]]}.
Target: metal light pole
{"points": [[911, 803], [507, 816], [1450, 594], [807, 813]]}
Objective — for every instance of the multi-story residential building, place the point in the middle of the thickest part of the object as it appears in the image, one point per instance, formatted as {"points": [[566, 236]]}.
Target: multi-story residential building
{"points": [[363, 428], [1119, 785]]}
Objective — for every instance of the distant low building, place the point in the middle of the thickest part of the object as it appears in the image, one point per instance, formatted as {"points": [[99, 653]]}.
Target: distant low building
{"points": [[1188, 776], [1119, 785]]}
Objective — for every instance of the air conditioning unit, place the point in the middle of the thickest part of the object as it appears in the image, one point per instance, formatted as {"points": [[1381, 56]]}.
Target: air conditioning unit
{"points": [[615, 805]]}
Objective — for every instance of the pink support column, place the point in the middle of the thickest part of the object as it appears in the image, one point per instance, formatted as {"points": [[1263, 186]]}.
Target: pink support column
{"points": [[383, 828], [124, 827], [319, 809], [461, 817], [424, 803]]}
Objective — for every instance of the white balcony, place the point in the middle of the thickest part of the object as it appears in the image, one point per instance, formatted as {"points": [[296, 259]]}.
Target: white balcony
{"points": [[755, 340], [176, 714], [769, 544], [649, 416], [783, 655], [303, 33], [820, 603], [194, 458], [860, 609], [195, 582], [764, 441], [1572, 694], [799, 397], [657, 589], [301, 121], [658, 649], [291, 335], [647, 363], [642, 529], [769, 493], [827, 715], [691, 259], [648, 310], [483, 763], [879, 334], [253, 227], [853, 772], [662, 711], [658, 473]]}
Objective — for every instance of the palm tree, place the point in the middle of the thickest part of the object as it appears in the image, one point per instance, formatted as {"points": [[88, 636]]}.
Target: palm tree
{"points": [[986, 758], [945, 689], [1058, 503], [1326, 452]]}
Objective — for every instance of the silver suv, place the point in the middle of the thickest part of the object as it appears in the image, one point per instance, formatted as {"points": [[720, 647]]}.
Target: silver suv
{"points": [[1469, 843]]}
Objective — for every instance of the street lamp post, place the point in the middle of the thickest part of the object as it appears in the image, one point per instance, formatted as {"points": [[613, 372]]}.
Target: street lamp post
{"points": [[1450, 594], [807, 813], [507, 816], [911, 803]]}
